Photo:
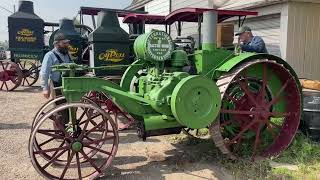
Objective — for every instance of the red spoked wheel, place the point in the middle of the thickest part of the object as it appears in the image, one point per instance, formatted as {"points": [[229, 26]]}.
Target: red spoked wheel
{"points": [[86, 148], [106, 102], [260, 112], [10, 76], [30, 72]]}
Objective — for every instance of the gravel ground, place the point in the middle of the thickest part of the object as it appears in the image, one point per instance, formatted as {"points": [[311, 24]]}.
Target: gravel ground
{"points": [[158, 158]]}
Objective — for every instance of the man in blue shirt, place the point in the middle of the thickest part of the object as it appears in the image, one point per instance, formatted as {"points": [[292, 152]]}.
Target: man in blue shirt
{"points": [[250, 43], [58, 55]]}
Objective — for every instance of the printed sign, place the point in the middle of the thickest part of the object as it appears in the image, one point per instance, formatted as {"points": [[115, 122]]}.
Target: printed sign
{"points": [[26, 35], [73, 51], [159, 46], [112, 55]]}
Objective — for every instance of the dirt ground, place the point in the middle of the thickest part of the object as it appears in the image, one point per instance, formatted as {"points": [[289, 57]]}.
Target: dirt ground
{"points": [[158, 158]]}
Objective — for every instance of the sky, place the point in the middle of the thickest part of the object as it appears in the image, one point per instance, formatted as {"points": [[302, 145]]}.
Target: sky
{"points": [[53, 10]]}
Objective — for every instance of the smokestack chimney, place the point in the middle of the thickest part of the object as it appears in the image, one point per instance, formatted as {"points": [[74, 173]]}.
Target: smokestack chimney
{"points": [[26, 7], [210, 20]]}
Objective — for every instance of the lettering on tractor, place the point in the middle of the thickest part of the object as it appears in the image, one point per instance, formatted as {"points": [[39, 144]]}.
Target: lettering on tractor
{"points": [[73, 51], [112, 55], [25, 35]]}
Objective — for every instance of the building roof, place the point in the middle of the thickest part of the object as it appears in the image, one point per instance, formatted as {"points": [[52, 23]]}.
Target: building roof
{"points": [[136, 4]]}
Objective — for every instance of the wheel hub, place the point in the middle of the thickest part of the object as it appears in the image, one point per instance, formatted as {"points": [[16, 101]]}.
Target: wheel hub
{"points": [[77, 146]]}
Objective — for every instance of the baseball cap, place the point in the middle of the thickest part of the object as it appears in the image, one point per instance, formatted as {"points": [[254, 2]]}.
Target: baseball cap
{"points": [[243, 29], [60, 37]]}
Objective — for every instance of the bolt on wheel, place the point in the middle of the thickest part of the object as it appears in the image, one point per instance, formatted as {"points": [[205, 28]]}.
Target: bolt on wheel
{"points": [[10, 76], [81, 150], [260, 111]]}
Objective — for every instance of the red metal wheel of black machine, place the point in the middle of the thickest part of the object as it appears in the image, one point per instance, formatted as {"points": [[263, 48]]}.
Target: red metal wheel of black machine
{"points": [[10, 75], [73, 142], [260, 112], [106, 102], [30, 72]]}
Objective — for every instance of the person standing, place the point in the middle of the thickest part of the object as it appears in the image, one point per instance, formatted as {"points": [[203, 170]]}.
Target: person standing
{"points": [[58, 55], [250, 43]]}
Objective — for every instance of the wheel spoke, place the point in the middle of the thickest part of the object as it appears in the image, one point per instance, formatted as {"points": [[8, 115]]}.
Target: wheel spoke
{"points": [[262, 93], [52, 149], [55, 157], [280, 114], [94, 128], [277, 97], [5, 83], [90, 161], [89, 115], [227, 111], [46, 142], [47, 132], [230, 98], [98, 141], [2, 85], [68, 164], [256, 142], [78, 165], [242, 131], [100, 150]]}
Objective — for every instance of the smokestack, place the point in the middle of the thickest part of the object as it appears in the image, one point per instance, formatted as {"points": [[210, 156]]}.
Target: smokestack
{"points": [[210, 20], [26, 7]]}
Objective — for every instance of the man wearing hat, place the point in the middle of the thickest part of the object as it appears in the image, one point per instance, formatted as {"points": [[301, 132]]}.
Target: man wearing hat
{"points": [[58, 55], [250, 43]]}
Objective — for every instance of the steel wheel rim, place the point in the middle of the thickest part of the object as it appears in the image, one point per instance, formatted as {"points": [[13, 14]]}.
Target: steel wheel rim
{"points": [[30, 74], [106, 161], [10, 76], [286, 97], [36, 120]]}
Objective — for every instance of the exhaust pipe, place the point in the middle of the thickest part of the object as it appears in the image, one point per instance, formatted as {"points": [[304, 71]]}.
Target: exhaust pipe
{"points": [[210, 21]]}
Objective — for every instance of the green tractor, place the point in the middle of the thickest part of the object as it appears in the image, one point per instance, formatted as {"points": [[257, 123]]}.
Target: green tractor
{"points": [[250, 103]]}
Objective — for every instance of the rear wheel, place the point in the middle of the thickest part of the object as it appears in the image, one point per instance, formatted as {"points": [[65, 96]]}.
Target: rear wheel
{"points": [[260, 111], [10, 76]]}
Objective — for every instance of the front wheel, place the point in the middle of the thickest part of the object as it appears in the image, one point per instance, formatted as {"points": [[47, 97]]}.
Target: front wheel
{"points": [[86, 147]]}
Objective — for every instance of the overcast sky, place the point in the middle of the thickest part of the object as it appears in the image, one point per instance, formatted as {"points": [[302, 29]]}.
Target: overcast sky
{"points": [[53, 10]]}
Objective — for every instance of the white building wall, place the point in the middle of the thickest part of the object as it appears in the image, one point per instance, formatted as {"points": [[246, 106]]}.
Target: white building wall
{"points": [[188, 29], [303, 39], [157, 7]]}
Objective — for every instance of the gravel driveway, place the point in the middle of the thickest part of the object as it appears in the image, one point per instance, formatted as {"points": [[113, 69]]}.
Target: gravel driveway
{"points": [[158, 158]]}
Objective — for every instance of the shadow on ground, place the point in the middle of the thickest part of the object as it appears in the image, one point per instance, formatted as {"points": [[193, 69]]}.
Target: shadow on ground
{"points": [[5, 126]]}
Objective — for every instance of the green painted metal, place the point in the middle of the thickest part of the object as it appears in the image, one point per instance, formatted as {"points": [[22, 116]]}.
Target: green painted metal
{"points": [[195, 102], [129, 74], [209, 46], [76, 146], [207, 61], [76, 87], [156, 121], [179, 58], [155, 46]]}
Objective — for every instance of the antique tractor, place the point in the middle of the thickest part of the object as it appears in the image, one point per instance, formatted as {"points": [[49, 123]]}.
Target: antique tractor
{"points": [[251, 103]]}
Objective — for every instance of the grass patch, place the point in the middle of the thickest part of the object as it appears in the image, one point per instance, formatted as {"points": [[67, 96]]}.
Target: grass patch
{"points": [[302, 152]]}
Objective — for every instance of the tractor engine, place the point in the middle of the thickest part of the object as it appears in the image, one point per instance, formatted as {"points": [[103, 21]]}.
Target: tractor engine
{"points": [[191, 101]]}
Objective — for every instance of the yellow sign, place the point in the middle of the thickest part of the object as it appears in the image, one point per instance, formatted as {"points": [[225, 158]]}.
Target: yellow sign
{"points": [[73, 51], [25, 35], [112, 55]]}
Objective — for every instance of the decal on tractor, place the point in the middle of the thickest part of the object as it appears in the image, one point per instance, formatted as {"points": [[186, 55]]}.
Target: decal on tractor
{"points": [[25, 35], [112, 55], [73, 51]]}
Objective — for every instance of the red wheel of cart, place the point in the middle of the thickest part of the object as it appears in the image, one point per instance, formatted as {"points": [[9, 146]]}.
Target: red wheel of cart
{"points": [[106, 103], [74, 144], [30, 72], [10, 75]]}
